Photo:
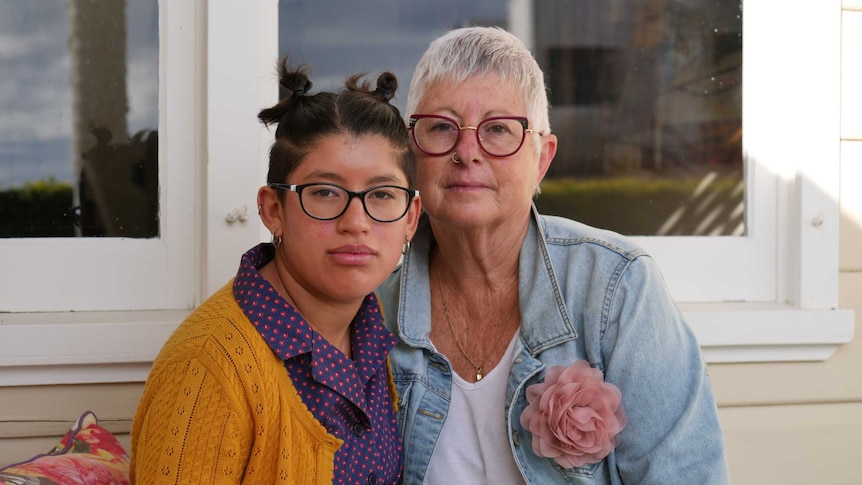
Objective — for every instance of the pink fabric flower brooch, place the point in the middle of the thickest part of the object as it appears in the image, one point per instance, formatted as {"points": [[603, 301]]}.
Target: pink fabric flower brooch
{"points": [[574, 416]]}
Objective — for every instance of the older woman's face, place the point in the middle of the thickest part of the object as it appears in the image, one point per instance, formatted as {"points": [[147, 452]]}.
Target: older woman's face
{"points": [[482, 189]]}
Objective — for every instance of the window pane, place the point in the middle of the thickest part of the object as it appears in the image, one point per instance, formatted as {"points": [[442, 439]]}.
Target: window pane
{"points": [[341, 37], [78, 134], [646, 96], [647, 101]]}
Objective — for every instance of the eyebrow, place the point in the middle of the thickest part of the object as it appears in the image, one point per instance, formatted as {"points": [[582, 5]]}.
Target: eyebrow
{"points": [[450, 113], [335, 177]]}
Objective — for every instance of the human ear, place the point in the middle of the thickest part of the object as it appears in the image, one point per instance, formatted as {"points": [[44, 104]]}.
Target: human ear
{"points": [[412, 217], [546, 155], [270, 210]]}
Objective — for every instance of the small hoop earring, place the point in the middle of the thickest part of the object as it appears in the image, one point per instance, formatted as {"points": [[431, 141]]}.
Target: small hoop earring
{"points": [[455, 160], [276, 240], [405, 247]]}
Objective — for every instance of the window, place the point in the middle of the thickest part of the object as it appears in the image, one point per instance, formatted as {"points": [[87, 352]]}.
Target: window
{"points": [[647, 103], [731, 226], [646, 99], [88, 87], [92, 309], [79, 155]]}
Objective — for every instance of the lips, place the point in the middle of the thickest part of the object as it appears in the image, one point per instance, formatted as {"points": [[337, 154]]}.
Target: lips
{"points": [[353, 249], [466, 187], [465, 184], [352, 254]]}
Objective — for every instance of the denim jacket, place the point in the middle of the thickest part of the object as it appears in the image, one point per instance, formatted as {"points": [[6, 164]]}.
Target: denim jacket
{"points": [[586, 294]]}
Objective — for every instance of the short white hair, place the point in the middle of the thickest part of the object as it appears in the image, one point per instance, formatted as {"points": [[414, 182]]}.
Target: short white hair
{"points": [[466, 52]]}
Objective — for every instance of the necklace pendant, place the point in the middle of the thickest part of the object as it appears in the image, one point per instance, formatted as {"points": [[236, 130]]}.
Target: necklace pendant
{"points": [[478, 374]]}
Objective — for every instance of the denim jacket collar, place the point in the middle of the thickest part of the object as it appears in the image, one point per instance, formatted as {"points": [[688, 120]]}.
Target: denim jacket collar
{"points": [[537, 284]]}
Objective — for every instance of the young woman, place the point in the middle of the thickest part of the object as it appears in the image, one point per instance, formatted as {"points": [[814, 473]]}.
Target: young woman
{"points": [[282, 375]]}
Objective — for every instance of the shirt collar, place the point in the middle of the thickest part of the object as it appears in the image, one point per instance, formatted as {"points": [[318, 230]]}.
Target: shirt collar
{"points": [[288, 333]]}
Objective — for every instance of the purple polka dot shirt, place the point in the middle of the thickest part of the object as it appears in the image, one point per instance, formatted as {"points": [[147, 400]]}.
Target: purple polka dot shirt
{"points": [[350, 398]]}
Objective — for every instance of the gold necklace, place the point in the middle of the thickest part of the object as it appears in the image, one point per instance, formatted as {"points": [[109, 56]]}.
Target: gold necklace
{"points": [[481, 364]]}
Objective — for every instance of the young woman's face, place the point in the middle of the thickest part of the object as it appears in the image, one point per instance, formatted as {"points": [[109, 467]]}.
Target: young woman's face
{"points": [[346, 258]]}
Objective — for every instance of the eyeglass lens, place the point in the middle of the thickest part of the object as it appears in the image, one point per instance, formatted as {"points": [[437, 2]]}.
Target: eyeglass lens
{"points": [[499, 137], [386, 203]]}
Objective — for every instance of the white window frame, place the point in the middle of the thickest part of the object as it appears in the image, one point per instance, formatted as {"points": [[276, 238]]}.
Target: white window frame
{"points": [[217, 62], [116, 273], [779, 143], [782, 304], [227, 50]]}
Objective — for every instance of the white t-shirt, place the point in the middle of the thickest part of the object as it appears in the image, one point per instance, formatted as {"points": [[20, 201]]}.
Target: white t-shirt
{"points": [[473, 446]]}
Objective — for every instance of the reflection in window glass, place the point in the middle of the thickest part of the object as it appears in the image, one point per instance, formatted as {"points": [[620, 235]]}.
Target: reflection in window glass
{"points": [[646, 96], [647, 103], [78, 131]]}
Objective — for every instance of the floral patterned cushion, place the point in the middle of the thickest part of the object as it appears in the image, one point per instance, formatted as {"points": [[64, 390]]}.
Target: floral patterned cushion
{"points": [[88, 455]]}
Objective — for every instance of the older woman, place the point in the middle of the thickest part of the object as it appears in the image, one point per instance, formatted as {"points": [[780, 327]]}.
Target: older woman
{"points": [[532, 349]]}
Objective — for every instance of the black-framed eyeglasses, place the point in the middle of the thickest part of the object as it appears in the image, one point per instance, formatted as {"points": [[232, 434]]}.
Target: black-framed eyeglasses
{"points": [[499, 136], [325, 202]]}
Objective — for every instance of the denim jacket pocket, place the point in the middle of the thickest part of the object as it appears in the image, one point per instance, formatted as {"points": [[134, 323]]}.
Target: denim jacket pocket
{"points": [[546, 470], [569, 475]]}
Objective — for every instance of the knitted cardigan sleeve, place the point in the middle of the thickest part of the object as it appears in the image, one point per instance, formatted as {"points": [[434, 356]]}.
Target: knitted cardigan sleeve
{"points": [[190, 429], [193, 423]]}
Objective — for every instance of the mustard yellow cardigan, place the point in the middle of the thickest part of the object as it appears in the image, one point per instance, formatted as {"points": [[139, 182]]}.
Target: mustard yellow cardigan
{"points": [[219, 408]]}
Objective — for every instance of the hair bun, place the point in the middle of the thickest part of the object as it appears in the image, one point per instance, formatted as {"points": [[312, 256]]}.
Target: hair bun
{"points": [[294, 83], [387, 84], [304, 89], [386, 94]]}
